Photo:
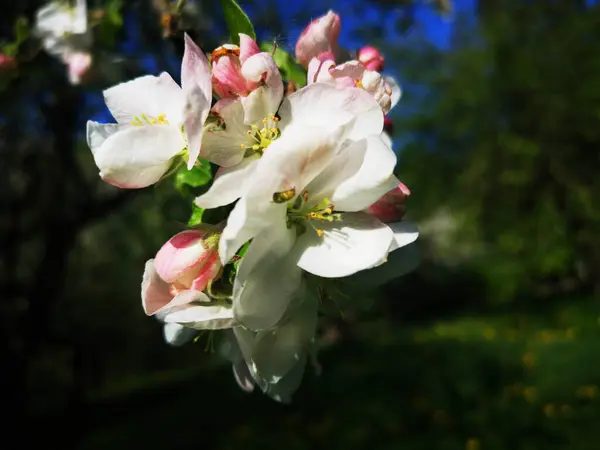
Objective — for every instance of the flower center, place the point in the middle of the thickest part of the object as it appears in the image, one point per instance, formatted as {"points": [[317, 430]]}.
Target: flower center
{"points": [[261, 138], [302, 215], [143, 119]]}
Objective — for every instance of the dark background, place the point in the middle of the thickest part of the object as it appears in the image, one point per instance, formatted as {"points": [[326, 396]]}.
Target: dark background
{"points": [[492, 344]]}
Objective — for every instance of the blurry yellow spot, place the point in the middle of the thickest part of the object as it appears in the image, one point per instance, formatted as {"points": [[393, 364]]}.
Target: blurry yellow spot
{"points": [[550, 410], [528, 360], [359, 84], [587, 391], [472, 444], [570, 333], [565, 409], [529, 393], [489, 334]]}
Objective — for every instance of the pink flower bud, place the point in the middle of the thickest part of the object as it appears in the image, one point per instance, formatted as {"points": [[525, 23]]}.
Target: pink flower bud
{"points": [[320, 36], [7, 62], [227, 61], [392, 206], [189, 260], [78, 65], [371, 58]]}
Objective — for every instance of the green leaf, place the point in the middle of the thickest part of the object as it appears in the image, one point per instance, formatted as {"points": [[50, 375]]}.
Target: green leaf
{"points": [[196, 217], [197, 177], [21, 30], [289, 68], [237, 20], [113, 13]]}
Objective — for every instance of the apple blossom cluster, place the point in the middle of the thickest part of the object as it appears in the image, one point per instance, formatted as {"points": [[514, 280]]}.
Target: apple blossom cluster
{"points": [[63, 30], [305, 180]]}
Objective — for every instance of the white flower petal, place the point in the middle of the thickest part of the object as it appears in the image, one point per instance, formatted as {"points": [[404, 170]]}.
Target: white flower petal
{"points": [[399, 263], [202, 316], [372, 179], [336, 106], [197, 88], [357, 242], [265, 99], [277, 350], [294, 160], [228, 185], [283, 390], [404, 234], [138, 156], [396, 90], [195, 69], [223, 146], [148, 95], [177, 335], [97, 133], [387, 139], [245, 222], [242, 376], [267, 278], [155, 292]]}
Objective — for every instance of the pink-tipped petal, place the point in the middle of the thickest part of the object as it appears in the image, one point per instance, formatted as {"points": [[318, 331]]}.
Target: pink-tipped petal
{"points": [[321, 35], [248, 47], [197, 86], [351, 69], [261, 69], [319, 68], [180, 254], [210, 270], [155, 292], [195, 69]]}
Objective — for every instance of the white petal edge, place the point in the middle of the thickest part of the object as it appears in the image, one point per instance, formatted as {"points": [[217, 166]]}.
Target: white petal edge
{"points": [[228, 185], [149, 95], [356, 243], [137, 157], [404, 233], [267, 279], [202, 317]]}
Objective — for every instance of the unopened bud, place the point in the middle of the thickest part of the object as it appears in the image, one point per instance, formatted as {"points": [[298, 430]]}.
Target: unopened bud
{"points": [[371, 58], [392, 206], [320, 36]]}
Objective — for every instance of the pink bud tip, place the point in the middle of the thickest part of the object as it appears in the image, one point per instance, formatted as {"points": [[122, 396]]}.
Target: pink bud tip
{"points": [[7, 62], [179, 254], [392, 206], [321, 35], [371, 58]]}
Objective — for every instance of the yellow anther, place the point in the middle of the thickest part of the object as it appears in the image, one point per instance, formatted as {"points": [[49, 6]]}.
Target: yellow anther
{"points": [[319, 232], [328, 211], [242, 146], [359, 84]]}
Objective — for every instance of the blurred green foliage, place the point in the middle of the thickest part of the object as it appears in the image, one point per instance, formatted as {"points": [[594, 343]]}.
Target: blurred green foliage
{"points": [[490, 344]]}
